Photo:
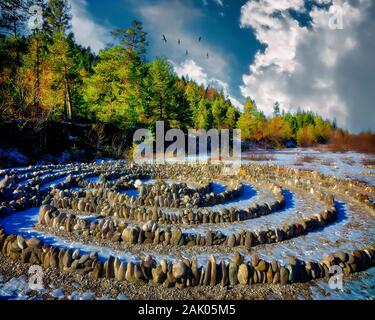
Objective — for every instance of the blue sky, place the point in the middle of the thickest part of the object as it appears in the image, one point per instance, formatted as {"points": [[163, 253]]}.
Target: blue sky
{"points": [[284, 50]]}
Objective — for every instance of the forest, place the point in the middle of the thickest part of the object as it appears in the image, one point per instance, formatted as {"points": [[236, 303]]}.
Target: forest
{"points": [[47, 77]]}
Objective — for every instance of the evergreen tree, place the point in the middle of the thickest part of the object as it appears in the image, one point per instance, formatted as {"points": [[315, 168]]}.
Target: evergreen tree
{"points": [[160, 85], [276, 109], [57, 17], [231, 117], [13, 17], [219, 113], [62, 64], [133, 38]]}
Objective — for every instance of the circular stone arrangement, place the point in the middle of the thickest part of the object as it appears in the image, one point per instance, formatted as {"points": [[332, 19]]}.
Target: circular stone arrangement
{"points": [[186, 225]]}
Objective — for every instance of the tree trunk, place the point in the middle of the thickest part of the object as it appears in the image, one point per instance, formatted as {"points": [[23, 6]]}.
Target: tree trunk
{"points": [[67, 96], [161, 108], [37, 86]]}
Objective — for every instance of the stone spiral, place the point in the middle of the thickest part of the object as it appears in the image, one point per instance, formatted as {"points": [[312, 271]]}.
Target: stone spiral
{"points": [[156, 208]]}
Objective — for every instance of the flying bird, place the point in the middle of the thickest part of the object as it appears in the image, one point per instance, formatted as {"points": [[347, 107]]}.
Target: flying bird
{"points": [[179, 41], [207, 55], [187, 52], [200, 38], [164, 38]]}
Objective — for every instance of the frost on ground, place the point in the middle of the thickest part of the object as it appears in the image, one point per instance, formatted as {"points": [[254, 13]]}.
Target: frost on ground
{"points": [[342, 165], [18, 289], [12, 157], [359, 288], [349, 232], [15, 289]]}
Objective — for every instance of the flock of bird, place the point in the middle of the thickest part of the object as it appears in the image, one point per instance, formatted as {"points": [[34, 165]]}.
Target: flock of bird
{"points": [[179, 43]]}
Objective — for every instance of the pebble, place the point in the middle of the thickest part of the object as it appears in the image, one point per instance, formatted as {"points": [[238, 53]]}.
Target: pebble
{"points": [[243, 274], [233, 270], [179, 269], [213, 271], [21, 242], [284, 276], [33, 243], [158, 276]]}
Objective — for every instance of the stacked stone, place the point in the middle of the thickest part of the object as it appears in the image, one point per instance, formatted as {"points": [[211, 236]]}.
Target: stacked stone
{"points": [[184, 273], [306, 179], [111, 203], [152, 233], [17, 198]]}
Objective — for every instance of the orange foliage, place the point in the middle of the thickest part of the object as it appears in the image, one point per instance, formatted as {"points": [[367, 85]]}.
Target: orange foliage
{"points": [[341, 140], [277, 131], [306, 136]]}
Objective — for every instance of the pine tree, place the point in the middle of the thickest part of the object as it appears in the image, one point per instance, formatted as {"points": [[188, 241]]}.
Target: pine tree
{"points": [[219, 113], [13, 17], [231, 117], [160, 86], [57, 17], [62, 64], [276, 109], [37, 78], [133, 38]]}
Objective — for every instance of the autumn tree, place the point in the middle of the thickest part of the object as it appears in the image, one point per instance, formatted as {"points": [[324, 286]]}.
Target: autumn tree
{"points": [[277, 131], [37, 79], [306, 136], [106, 89], [219, 113], [251, 122]]}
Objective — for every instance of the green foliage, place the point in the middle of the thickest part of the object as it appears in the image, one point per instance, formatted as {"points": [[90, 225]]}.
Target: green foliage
{"points": [[160, 86], [133, 39], [57, 17], [251, 122], [47, 75], [109, 93]]}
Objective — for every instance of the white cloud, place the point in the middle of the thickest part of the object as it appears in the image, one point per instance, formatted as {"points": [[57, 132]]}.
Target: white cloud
{"points": [[192, 70], [87, 32], [196, 73], [318, 68]]}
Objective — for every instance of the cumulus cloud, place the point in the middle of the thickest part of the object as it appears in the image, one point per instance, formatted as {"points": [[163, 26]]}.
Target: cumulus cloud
{"points": [[192, 70], [314, 67], [87, 32]]}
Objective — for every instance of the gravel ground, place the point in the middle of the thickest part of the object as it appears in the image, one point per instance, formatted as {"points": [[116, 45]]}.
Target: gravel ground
{"points": [[54, 279]]}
